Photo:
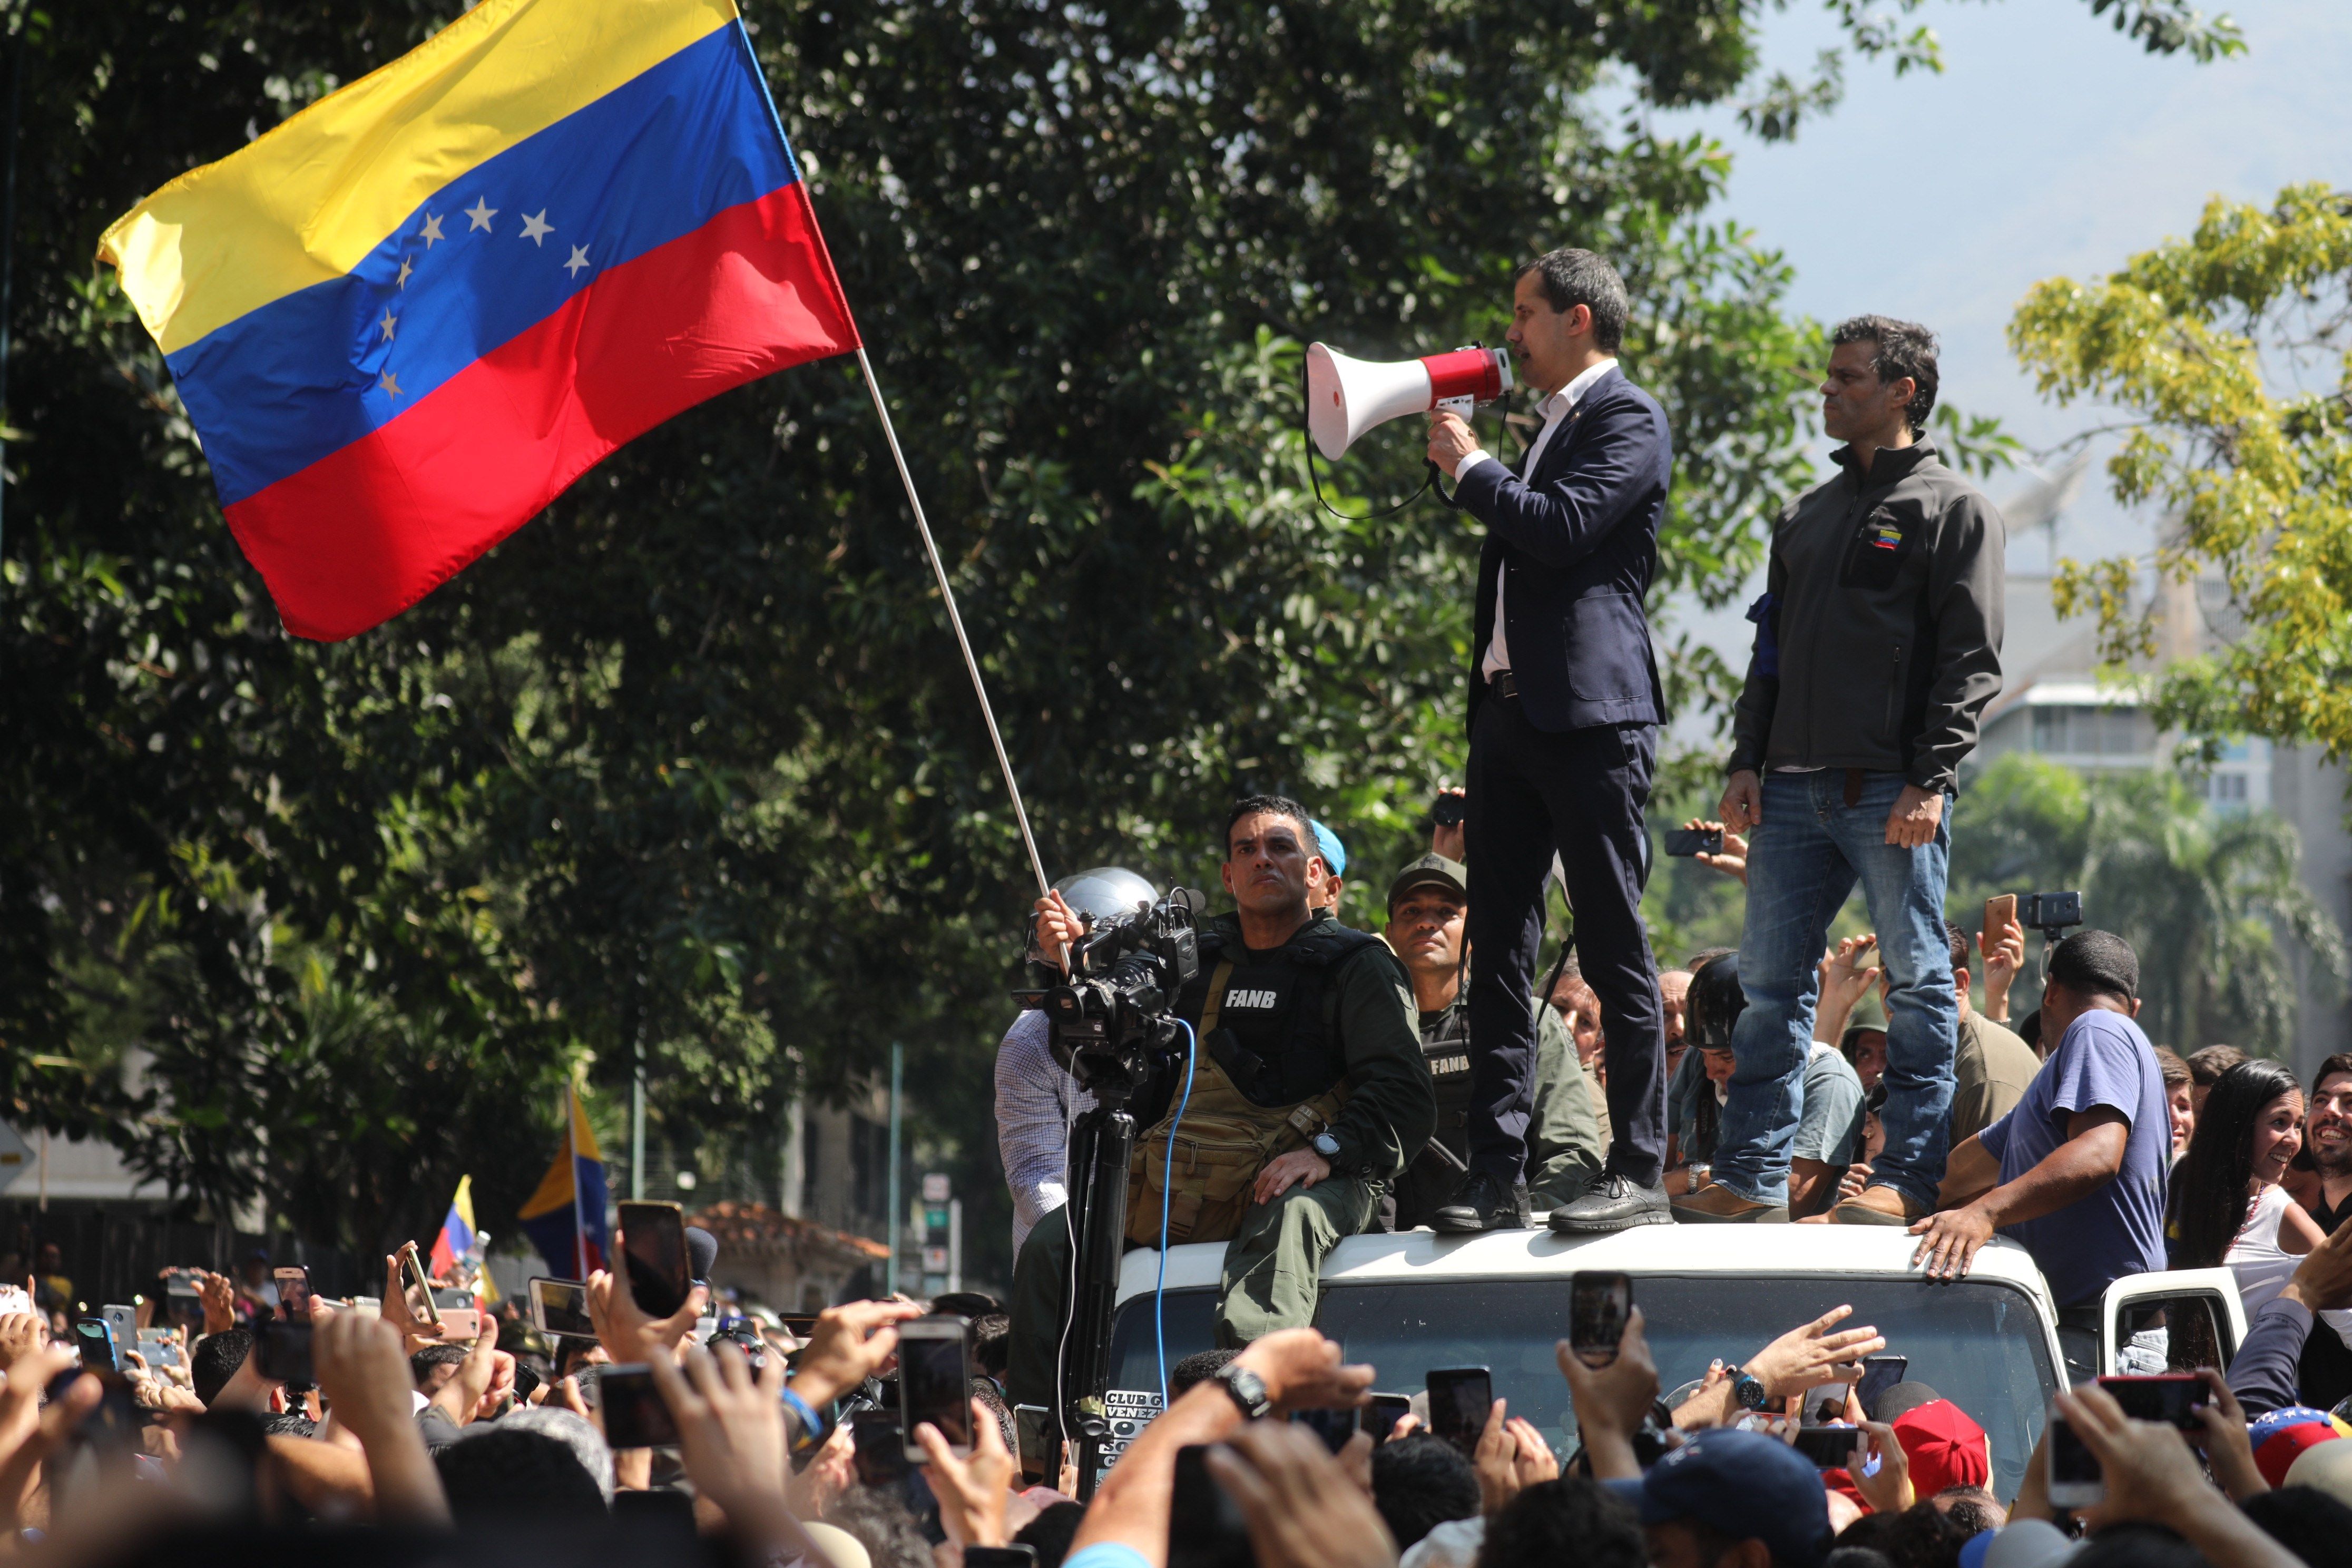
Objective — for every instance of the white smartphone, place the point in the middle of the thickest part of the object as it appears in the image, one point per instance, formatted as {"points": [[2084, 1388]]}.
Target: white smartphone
{"points": [[2075, 1479], [934, 1383]]}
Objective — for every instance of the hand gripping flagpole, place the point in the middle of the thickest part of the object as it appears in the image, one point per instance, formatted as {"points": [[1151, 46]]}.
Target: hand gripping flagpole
{"points": [[947, 597]]}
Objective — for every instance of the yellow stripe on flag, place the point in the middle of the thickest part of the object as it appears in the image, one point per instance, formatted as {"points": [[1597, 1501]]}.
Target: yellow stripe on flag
{"points": [[306, 202]]}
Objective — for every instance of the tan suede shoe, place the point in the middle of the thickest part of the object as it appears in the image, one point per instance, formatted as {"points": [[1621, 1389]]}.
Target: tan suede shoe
{"points": [[1880, 1206], [1719, 1204]]}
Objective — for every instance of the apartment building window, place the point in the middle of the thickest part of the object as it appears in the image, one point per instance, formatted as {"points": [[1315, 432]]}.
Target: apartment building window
{"points": [[2089, 732]]}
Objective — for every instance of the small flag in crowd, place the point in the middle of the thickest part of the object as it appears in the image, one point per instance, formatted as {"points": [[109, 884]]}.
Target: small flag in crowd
{"points": [[457, 1237], [565, 1217], [406, 318]]}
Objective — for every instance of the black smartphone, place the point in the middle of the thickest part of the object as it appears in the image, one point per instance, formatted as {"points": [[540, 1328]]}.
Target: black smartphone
{"points": [[935, 1382], [94, 1337], [1205, 1527], [999, 1557], [2076, 1480], [283, 1352], [1459, 1400], [1599, 1302], [634, 1415], [293, 1294], [1449, 810], [878, 1448], [560, 1307], [2173, 1398], [1688, 841], [653, 1239], [1879, 1374], [1334, 1427], [1383, 1413], [1828, 1448], [1041, 1461]]}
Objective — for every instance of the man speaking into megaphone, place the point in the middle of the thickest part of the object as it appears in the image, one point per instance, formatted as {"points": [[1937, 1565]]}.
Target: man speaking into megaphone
{"points": [[1564, 713]]}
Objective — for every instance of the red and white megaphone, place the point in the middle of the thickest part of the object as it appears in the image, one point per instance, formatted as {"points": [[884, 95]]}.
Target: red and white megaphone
{"points": [[1346, 398]]}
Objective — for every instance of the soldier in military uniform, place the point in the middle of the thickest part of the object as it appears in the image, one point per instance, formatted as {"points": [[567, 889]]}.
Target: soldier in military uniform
{"points": [[1309, 1093], [1429, 905]]}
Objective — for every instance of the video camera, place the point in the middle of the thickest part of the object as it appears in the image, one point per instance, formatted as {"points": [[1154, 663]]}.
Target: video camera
{"points": [[1115, 1014]]}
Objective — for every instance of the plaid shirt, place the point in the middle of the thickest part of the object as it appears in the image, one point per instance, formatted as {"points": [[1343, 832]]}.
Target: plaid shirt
{"points": [[1036, 1100]]}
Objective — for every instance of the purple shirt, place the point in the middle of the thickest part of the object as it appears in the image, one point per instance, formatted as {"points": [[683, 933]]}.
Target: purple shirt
{"points": [[2116, 1230]]}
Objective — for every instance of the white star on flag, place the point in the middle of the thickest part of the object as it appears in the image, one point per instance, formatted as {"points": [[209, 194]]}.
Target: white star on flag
{"points": [[390, 384], [432, 230], [406, 266], [481, 211], [388, 322], [537, 230], [579, 260]]}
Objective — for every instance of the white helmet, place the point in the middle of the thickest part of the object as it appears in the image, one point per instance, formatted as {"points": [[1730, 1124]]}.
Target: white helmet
{"points": [[1103, 892]]}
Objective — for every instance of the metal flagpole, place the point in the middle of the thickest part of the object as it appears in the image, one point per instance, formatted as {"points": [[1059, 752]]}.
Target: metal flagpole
{"points": [[947, 597], [8, 242]]}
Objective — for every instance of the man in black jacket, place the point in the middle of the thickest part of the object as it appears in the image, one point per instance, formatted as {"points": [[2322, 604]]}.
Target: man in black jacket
{"points": [[1877, 646], [1564, 712]]}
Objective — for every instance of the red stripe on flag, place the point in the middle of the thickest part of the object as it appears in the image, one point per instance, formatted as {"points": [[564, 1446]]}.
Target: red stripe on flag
{"points": [[360, 535]]}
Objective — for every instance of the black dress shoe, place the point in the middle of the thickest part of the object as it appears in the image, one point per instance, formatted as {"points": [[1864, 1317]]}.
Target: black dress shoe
{"points": [[1617, 1203], [1483, 1204]]}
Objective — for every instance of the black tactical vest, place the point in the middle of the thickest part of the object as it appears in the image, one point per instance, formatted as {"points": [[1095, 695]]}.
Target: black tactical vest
{"points": [[1270, 1038], [1446, 1044]]}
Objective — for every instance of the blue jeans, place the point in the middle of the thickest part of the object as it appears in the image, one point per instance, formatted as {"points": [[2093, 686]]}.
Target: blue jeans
{"points": [[1802, 861]]}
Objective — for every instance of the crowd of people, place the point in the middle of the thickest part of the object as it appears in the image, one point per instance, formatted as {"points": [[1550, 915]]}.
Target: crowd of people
{"points": [[785, 1450]]}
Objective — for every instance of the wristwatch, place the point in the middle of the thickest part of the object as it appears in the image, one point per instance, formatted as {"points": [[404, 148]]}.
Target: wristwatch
{"points": [[1323, 1143], [1248, 1391], [1747, 1390]]}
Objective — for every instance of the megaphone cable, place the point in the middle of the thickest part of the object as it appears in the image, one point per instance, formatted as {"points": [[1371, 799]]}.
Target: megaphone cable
{"points": [[1305, 406]]}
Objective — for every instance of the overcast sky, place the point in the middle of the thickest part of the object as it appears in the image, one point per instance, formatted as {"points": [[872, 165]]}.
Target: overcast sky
{"points": [[2050, 146]]}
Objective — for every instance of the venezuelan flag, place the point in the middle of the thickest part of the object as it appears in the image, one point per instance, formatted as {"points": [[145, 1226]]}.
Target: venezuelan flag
{"points": [[565, 1217], [405, 319], [457, 1237]]}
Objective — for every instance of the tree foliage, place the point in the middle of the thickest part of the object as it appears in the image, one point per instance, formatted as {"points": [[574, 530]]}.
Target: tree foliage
{"points": [[2225, 352], [2203, 896]]}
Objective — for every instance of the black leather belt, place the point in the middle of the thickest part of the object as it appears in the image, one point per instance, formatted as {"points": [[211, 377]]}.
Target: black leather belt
{"points": [[1505, 687]]}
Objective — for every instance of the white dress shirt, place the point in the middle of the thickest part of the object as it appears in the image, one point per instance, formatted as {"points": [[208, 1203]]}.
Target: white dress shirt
{"points": [[1555, 410], [1037, 1099]]}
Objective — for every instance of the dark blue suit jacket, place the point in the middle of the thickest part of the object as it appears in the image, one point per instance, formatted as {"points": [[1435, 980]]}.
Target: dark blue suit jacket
{"points": [[1580, 541]]}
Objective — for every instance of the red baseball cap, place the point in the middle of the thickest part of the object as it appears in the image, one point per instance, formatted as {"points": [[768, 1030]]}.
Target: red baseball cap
{"points": [[1945, 1447]]}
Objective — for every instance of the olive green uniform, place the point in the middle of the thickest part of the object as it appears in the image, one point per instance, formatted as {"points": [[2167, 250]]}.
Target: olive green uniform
{"points": [[1324, 1025], [1565, 1145]]}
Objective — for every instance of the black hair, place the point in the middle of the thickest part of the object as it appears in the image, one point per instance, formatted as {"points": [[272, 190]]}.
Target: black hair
{"points": [[1957, 941], [882, 1524], [501, 1473], [1855, 1557], [1921, 1536], [1279, 805], [2095, 963], [2340, 1062], [2137, 1545], [2208, 1189], [992, 1343], [1570, 278], [1051, 1532], [992, 1397], [431, 1356], [965, 1304], [1973, 1508], [1419, 1482], [1905, 348], [2305, 1520], [215, 1360], [1570, 1519], [568, 1354], [1196, 1368]]}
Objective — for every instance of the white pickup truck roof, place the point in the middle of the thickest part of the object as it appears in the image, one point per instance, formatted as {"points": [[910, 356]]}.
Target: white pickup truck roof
{"points": [[1869, 1251]]}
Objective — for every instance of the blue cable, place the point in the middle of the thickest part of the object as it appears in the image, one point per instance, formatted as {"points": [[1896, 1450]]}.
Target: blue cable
{"points": [[1167, 1175]]}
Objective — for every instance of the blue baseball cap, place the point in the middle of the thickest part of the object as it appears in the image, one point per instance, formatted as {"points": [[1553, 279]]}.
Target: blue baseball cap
{"points": [[1742, 1484], [1327, 845]]}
